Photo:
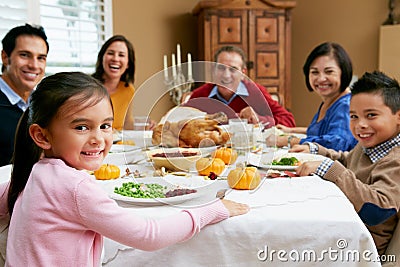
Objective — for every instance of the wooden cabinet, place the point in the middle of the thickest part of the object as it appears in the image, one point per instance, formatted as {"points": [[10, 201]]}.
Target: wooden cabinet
{"points": [[389, 39], [261, 28]]}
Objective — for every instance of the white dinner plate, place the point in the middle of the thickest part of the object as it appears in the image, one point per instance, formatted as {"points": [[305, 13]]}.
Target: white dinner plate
{"points": [[110, 186], [154, 201], [278, 167], [121, 148], [124, 154], [257, 160]]}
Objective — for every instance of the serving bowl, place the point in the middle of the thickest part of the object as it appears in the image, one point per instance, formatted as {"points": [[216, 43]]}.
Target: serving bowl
{"points": [[123, 154], [175, 159]]}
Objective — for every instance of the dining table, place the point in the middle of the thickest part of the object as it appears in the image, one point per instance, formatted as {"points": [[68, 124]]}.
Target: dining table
{"points": [[292, 221]]}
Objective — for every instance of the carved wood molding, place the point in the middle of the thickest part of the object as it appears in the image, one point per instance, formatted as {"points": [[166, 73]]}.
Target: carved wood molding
{"points": [[209, 4]]}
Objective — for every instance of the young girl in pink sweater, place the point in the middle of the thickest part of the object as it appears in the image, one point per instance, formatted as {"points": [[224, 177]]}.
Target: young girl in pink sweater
{"points": [[58, 212]]}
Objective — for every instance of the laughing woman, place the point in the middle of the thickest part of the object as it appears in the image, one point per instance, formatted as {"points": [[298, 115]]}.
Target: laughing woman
{"points": [[115, 68]]}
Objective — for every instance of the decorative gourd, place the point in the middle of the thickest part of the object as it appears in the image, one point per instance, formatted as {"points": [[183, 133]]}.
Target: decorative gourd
{"points": [[228, 155], [107, 172], [244, 178], [205, 166]]}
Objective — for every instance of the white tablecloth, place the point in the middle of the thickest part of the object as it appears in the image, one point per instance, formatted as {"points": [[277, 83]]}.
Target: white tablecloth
{"points": [[304, 221]]}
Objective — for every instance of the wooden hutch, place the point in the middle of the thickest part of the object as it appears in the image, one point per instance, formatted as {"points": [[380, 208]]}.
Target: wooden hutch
{"points": [[262, 28]]}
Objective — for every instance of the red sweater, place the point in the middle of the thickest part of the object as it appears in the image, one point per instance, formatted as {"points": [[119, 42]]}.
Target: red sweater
{"points": [[259, 99]]}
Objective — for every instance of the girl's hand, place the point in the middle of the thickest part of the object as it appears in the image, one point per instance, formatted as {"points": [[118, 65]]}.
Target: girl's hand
{"points": [[235, 208], [308, 168]]}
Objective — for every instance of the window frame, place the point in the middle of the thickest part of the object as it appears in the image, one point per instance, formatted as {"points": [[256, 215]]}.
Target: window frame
{"points": [[33, 13]]}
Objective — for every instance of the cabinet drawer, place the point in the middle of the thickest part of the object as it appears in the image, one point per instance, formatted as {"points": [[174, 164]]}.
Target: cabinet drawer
{"points": [[274, 92], [230, 30], [266, 30], [272, 89], [267, 65]]}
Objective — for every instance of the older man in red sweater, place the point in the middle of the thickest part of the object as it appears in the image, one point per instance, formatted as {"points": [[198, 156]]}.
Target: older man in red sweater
{"points": [[239, 95]]}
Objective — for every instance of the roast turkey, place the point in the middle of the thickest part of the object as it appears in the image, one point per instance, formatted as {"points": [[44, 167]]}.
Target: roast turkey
{"points": [[200, 130]]}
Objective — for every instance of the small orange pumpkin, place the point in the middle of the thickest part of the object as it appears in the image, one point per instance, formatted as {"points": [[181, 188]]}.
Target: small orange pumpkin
{"points": [[244, 178], [228, 155], [205, 166], [107, 172]]}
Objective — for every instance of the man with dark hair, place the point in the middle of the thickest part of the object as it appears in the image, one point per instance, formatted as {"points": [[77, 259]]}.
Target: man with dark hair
{"points": [[24, 54]]}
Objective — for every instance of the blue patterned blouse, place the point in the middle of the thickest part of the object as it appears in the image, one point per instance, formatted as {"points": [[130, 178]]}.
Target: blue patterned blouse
{"points": [[333, 131]]}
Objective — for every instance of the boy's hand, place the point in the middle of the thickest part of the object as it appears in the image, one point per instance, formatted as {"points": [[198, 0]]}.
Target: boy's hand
{"points": [[235, 208], [307, 168]]}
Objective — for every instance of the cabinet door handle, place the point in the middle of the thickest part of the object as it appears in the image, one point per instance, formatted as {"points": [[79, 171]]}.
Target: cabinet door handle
{"points": [[250, 65]]}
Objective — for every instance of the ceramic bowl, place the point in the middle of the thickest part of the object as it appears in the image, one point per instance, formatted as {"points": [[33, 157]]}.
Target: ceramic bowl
{"points": [[173, 160]]}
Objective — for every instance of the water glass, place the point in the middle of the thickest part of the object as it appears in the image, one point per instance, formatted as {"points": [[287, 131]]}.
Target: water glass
{"points": [[141, 123], [242, 134]]}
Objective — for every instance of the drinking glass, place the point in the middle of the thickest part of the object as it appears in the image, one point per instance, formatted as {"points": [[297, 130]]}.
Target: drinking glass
{"points": [[241, 134], [141, 123]]}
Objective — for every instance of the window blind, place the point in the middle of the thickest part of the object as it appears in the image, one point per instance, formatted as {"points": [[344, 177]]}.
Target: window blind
{"points": [[12, 14], [75, 29]]}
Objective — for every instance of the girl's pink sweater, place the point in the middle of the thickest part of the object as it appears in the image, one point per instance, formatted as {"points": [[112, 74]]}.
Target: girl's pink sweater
{"points": [[62, 214]]}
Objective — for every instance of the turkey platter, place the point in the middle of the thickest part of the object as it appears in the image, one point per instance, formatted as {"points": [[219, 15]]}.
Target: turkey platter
{"points": [[200, 130]]}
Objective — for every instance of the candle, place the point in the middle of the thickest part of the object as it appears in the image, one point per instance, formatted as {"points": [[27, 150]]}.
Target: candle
{"points": [[173, 66], [189, 58], [178, 55], [165, 67]]}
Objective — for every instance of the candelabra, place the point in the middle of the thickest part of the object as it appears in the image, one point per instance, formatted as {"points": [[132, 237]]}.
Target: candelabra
{"points": [[178, 85], [391, 20]]}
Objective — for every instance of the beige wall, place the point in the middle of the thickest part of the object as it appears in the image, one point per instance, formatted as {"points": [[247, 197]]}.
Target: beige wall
{"points": [[354, 24], [389, 49], [156, 26]]}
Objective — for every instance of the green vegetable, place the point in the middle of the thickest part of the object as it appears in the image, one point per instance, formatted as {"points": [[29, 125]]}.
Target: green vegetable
{"points": [[131, 189], [292, 161]]}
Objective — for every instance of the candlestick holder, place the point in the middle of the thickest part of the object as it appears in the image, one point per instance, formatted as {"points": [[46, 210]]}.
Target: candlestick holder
{"points": [[391, 20], [178, 86]]}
